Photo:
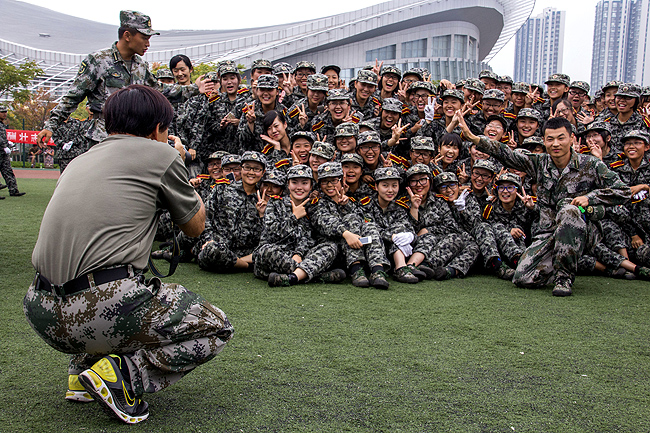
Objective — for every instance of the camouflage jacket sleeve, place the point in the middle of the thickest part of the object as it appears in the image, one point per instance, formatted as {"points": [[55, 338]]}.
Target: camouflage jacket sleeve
{"points": [[611, 190], [279, 223], [471, 216], [4, 142], [502, 153]]}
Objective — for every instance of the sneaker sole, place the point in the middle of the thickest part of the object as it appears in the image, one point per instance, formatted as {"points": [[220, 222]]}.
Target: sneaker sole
{"points": [[79, 396], [98, 389], [561, 293]]}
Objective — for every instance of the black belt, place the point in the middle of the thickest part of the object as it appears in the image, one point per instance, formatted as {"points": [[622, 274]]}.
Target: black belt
{"points": [[82, 283]]}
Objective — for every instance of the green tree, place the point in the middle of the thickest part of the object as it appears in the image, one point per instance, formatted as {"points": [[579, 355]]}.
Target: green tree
{"points": [[13, 80], [31, 111]]}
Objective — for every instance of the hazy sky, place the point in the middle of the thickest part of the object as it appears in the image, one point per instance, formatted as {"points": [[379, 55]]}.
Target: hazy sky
{"points": [[578, 36]]}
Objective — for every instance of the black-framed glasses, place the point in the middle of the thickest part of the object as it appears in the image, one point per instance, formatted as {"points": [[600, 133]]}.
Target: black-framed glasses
{"points": [[448, 186], [422, 181], [330, 181], [367, 147], [482, 176], [252, 168]]}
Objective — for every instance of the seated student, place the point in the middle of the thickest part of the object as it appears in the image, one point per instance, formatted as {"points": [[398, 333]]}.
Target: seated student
{"points": [[288, 252], [319, 154], [273, 183], [422, 152], [234, 220], [369, 147], [345, 138], [527, 124], [448, 153], [231, 164], [596, 140], [302, 112], [353, 184], [385, 124], [301, 144], [492, 105], [338, 111], [566, 181], [204, 183], [278, 143], [335, 218], [481, 178]]}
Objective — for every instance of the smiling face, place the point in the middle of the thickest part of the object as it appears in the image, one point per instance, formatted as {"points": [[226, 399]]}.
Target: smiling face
{"points": [[230, 83], [267, 96], [577, 97], [507, 192], [595, 138], [492, 107], [330, 186], [388, 119], [333, 80], [214, 169], [420, 184], [370, 153], [494, 131], [351, 172], [527, 126], [301, 147], [389, 82], [421, 156], [518, 99], [251, 172], [387, 189], [272, 189], [635, 148], [624, 104], [449, 153], [301, 75], [182, 73], [339, 110], [316, 161], [556, 90], [449, 191], [346, 144], [278, 130], [480, 179], [316, 97], [450, 106], [420, 99], [299, 188], [364, 90]]}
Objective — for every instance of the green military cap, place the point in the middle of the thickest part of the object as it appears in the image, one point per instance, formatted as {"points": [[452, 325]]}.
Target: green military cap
{"points": [[304, 134], [305, 64], [611, 84], [300, 171], [598, 94], [429, 87], [531, 143], [418, 169], [414, 71], [509, 177], [599, 126], [138, 21], [582, 85], [454, 93], [391, 70], [444, 177], [520, 87], [485, 164], [368, 77], [3, 108], [635, 133], [267, 81], [392, 104], [347, 129], [460, 83], [486, 73], [645, 91], [529, 113], [318, 82], [506, 79], [282, 68], [368, 124], [498, 117], [324, 150], [338, 95], [261, 64], [630, 90], [495, 94], [228, 68], [164, 73], [559, 78], [424, 72], [230, 158], [330, 169], [212, 76], [352, 157], [275, 176], [421, 142], [386, 173], [475, 85], [219, 154], [252, 156], [330, 67], [368, 137]]}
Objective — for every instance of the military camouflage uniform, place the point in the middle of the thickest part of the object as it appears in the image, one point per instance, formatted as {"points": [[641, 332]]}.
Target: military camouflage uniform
{"points": [[248, 140], [215, 137], [619, 130], [71, 133], [5, 162], [323, 125]]}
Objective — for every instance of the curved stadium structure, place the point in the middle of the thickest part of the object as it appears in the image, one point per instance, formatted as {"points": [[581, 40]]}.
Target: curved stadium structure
{"points": [[451, 38]]}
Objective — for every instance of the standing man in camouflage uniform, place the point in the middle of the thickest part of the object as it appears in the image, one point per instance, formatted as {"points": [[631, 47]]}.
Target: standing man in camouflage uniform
{"points": [[5, 157], [89, 297]]}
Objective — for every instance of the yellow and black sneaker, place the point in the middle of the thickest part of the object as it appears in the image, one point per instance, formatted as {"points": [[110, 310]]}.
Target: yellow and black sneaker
{"points": [[108, 382], [76, 391]]}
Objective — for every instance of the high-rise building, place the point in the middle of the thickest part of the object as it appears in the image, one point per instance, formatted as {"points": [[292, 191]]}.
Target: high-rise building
{"points": [[621, 42], [539, 45]]}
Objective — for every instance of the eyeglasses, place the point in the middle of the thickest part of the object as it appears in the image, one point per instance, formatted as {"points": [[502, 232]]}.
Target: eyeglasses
{"points": [[421, 96], [577, 93], [330, 181], [448, 186], [231, 169], [482, 176], [508, 188], [337, 103], [252, 168], [419, 154], [490, 105], [368, 147], [214, 164], [422, 181], [302, 74]]}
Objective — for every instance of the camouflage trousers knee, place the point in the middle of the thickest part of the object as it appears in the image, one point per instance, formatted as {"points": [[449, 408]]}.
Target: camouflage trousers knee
{"points": [[163, 330], [508, 247], [269, 258], [469, 252], [373, 253], [165, 228], [613, 235], [218, 257], [438, 250]]}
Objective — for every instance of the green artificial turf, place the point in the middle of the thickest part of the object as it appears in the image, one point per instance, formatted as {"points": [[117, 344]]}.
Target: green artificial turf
{"points": [[470, 355]]}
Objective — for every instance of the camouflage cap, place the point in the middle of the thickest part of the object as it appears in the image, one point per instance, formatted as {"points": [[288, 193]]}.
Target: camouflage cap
{"points": [[429, 87], [414, 71], [454, 93], [520, 87], [330, 67], [529, 113], [367, 124], [392, 104], [598, 94], [138, 21], [423, 71], [300, 171], [421, 142], [444, 177], [598, 125], [212, 76], [368, 77], [390, 69], [164, 73], [460, 83], [228, 68], [486, 73], [230, 158], [303, 134], [629, 90], [252, 156], [418, 169], [267, 81], [645, 91], [531, 143], [509, 177], [352, 157], [306, 64], [338, 95], [347, 129], [495, 94], [613, 83], [635, 133], [559, 78], [386, 173], [368, 137], [318, 82], [330, 169], [324, 150], [282, 68], [582, 85], [485, 164], [475, 85], [219, 154], [275, 176], [506, 79], [261, 64]]}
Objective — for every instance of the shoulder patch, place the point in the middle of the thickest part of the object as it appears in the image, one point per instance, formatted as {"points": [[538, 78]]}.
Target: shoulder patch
{"points": [[405, 111], [352, 199], [364, 201], [318, 126], [508, 115], [83, 67], [243, 90], [281, 163], [487, 211], [267, 148], [646, 120], [277, 197], [314, 200], [355, 118], [437, 116], [376, 100], [203, 176], [222, 181], [616, 164], [214, 97], [534, 197], [293, 113]]}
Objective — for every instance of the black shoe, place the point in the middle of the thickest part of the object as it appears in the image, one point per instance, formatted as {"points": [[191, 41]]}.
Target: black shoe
{"points": [[2, 197], [441, 273], [378, 280], [16, 194], [334, 276], [562, 288], [417, 272], [3, 186]]}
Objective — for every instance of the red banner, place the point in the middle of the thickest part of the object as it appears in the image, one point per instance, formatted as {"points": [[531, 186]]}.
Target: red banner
{"points": [[27, 137]]}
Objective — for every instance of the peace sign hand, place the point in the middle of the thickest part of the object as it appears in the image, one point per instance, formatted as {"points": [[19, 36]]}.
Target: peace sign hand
{"points": [[340, 198], [463, 177], [512, 143], [299, 210], [377, 68], [531, 96], [416, 199], [398, 130], [385, 162], [262, 202], [250, 114], [528, 200], [294, 158], [302, 117]]}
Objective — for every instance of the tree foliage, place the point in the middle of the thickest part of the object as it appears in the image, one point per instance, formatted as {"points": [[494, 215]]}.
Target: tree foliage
{"points": [[33, 111], [13, 80]]}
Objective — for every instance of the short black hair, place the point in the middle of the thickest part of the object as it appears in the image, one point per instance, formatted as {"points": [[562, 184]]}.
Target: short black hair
{"points": [[121, 30], [557, 123], [178, 58], [452, 139], [136, 110], [270, 117]]}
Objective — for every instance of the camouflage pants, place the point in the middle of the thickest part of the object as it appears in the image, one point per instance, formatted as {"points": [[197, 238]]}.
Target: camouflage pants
{"points": [[269, 258], [508, 247], [7, 172], [556, 254], [487, 244], [469, 252], [602, 254], [613, 235], [438, 250], [218, 257], [163, 330], [373, 254]]}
